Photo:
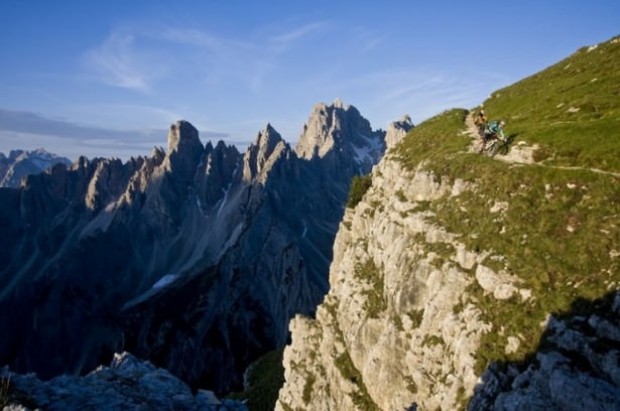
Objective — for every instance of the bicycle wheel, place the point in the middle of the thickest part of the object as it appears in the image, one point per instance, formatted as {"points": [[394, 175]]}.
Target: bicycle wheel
{"points": [[494, 148]]}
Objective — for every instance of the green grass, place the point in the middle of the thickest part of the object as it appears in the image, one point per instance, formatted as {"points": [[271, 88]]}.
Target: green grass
{"points": [[561, 226], [416, 317], [359, 186], [360, 397], [308, 387], [537, 109], [375, 301], [432, 340], [434, 142], [265, 380]]}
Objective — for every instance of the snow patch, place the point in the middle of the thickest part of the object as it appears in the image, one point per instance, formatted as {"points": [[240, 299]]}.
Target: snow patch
{"points": [[165, 281], [368, 152], [225, 198]]}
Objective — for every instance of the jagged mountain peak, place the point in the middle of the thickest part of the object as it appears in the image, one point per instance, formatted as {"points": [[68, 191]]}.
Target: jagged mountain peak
{"points": [[338, 103], [20, 163], [184, 148], [335, 127], [268, 138], [158, 153], [181, 134], [263, 153]]}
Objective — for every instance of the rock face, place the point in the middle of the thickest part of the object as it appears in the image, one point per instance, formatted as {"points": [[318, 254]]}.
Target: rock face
{"points": [[577, 369], [195, 258], [337, 134], [127, 383], [397, 130], [387, 330], [21, 163]]}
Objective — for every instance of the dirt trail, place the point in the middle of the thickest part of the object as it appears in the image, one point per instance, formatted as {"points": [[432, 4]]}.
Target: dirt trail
{"points": [[519, 153]]}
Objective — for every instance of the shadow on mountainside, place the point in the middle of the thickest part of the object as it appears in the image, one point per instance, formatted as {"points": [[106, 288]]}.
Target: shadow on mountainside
{"points": [[576, 365]]}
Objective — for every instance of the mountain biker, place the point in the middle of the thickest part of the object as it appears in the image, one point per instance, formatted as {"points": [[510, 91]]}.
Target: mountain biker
{"points": [[493, 130], [481, 122]]}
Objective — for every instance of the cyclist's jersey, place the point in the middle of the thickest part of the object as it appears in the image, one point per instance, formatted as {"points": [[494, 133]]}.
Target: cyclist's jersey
{"points": [[494, 128]]}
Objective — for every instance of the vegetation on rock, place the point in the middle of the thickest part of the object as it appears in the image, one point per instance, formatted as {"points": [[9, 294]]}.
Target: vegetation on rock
{"points": [[359, 186]]}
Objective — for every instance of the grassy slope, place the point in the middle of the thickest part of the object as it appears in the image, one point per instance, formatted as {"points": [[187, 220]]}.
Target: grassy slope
{"points": [[541, 108], [562, 227]]}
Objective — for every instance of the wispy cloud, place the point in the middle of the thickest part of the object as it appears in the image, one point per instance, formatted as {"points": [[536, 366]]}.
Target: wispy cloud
{"points": [[119, 62], [193, 37], [367, 40], [295, 34], [139, 59]]}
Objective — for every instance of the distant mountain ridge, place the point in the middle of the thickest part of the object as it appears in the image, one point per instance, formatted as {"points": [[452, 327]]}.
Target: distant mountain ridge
{"points": [[20, 163], [195, 257]]}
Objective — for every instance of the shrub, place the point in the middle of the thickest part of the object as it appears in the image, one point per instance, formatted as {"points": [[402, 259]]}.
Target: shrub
{"points": [[359, 186]]}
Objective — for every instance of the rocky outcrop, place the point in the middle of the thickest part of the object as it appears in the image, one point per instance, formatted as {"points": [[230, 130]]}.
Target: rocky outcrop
{"points": [[127, 383], [576, 367], [397, 130], [20, 163]]}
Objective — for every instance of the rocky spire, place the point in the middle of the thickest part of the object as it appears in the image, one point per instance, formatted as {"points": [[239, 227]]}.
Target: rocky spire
{"points": [[262, 154], [397, 130], [182, 137], [184, 148]]}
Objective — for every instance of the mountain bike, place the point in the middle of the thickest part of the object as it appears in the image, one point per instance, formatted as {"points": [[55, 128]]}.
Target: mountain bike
{"points": [[492, 146]]}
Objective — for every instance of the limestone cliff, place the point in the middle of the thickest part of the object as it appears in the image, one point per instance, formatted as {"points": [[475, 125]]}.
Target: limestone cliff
{"points": [[387, 332]]}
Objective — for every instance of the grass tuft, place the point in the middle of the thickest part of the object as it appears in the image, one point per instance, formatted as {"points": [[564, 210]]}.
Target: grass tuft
{"points": [[359, 186]]}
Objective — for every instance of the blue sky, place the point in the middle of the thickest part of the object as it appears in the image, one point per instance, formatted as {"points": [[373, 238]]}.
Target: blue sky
{"points": [[107, 78]]}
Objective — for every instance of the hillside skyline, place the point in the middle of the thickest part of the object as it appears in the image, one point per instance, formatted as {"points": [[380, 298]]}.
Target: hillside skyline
{"points": [[108, 79]]}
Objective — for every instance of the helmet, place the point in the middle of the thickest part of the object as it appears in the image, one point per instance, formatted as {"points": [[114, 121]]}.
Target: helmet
{"points": [[502, 123], [481, 111]]}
